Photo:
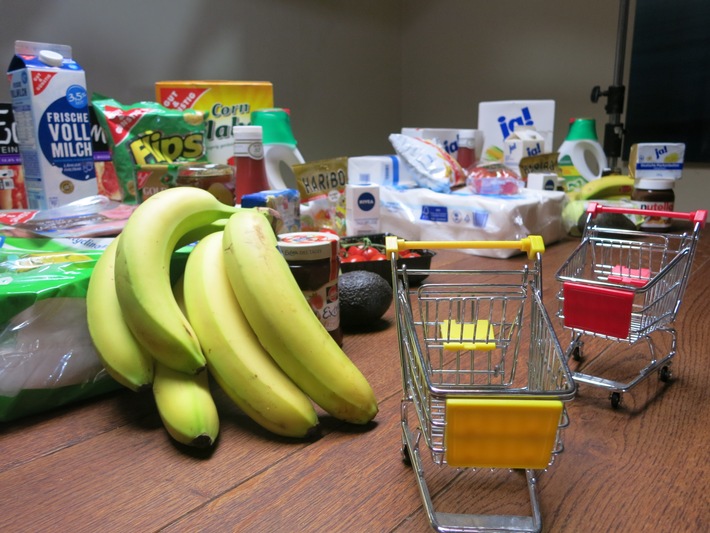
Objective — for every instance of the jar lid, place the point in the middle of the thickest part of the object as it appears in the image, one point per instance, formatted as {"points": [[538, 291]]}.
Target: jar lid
{"points": [[248, 133], [202, 170], [308, 246], [651, 184]]}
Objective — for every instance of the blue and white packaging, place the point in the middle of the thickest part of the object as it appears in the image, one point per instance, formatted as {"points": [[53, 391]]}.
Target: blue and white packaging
{"points": [[383, 170], [51, 107], [498, 120], [286, 202]]}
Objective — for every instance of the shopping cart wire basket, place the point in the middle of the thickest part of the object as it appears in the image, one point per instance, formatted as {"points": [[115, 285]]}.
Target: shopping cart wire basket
{"points": [[622, 286], [482, 370]]}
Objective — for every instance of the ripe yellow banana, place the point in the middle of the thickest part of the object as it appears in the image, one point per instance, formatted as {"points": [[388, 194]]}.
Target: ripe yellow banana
{"points": [[607, 186], [285, 324], [124, 358], [186, 406], [143, 266], [235, 358]]}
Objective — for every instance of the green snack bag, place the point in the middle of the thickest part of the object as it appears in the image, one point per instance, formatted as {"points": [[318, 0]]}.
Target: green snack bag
{"points": [[47, 358], [146, 133]]}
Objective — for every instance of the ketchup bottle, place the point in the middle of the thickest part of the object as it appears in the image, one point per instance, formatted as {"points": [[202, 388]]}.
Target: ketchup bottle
{"points": [[249, 160]]}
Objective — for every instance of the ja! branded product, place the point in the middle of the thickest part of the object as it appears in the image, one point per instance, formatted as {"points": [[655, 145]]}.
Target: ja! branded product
{"points": [[51, 106]]}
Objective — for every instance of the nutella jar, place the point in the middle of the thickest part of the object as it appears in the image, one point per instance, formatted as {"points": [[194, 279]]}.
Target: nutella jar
{"points": [[654, 195], [313, 259]]}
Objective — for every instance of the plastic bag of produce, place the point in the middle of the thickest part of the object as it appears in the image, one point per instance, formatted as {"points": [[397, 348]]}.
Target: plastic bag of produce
{"points": [[46, 356]]}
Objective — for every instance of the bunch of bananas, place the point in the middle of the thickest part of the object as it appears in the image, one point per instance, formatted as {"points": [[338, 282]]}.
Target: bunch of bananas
{"points": [[613, 187], [236, 311]]}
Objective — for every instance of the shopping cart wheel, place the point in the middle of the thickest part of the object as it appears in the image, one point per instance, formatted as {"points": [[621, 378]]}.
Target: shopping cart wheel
{"points": [[577, 353], [615, 398], [665, 374]]}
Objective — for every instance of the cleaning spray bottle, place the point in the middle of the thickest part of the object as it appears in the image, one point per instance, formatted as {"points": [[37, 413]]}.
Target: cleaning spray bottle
{"points": [[581, 158], [280, 151]]}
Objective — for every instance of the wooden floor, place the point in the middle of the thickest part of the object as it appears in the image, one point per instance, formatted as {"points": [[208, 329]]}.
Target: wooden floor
{"points": [[108, 465]]}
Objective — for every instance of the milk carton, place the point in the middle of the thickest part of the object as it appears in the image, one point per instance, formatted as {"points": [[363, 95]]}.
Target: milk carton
{"points": [[521, 143], [51, 106]]}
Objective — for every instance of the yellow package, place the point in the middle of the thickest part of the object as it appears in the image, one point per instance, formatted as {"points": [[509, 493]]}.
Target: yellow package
{"points": [[321, 185], [226, 104]]}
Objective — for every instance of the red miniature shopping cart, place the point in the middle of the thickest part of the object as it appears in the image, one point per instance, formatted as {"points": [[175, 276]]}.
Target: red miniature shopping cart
{"points": [[622, 286]]}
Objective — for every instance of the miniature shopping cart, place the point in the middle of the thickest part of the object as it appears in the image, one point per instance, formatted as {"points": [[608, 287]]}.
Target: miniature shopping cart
{"points": [[626, 286], [484, 372]]}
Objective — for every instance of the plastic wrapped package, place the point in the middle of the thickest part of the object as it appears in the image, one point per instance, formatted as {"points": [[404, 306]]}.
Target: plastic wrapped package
{"points": [[429, 164], [422, 214], [494, 180], [47, 358]]}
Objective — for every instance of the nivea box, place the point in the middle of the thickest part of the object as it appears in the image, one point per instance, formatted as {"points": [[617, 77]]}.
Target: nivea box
{"points": [[498, 120], [51, 107]]}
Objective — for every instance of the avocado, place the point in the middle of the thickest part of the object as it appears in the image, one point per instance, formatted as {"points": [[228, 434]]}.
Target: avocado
{"points": [[364, 297], [610, 221]]}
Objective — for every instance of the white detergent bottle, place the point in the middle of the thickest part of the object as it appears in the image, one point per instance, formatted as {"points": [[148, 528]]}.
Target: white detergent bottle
{"points": [[280, 151], [581, 158]]}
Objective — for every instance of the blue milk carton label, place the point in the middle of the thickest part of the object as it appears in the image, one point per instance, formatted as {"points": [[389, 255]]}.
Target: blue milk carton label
{"points": [[51, 107]]}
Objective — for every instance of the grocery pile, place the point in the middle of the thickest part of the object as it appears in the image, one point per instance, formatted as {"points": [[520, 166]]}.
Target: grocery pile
{"points": [[236, 311]]}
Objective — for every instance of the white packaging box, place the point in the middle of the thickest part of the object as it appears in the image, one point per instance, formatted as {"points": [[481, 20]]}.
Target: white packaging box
{"points": [[657, 160], [384, 170], [523, 142], [497, 120], [362, 209], [51, 107]]}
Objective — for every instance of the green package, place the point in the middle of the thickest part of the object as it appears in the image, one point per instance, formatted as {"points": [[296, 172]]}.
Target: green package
{"points": [[46, 356], [147, 133]]}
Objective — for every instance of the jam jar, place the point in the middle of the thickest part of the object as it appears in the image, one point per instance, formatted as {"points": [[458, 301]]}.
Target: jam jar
{"points": [[313, 259], [214, 178]]}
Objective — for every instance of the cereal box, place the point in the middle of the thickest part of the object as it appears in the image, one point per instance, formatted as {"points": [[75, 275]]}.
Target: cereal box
{"points": [[227, 104]]}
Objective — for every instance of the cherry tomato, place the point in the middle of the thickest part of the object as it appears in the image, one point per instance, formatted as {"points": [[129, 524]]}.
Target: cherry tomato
{"points": [[408, 253], [355, 250], [369, 252], [377, 256], [353, 259]]}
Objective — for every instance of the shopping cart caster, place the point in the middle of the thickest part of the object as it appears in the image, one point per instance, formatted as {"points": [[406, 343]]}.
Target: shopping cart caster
{"points": [[615, 398], [575, 351], [665, 374]]}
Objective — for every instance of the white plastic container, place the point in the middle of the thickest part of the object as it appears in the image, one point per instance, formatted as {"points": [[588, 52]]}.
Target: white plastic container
{"points": [[280, 147], [581, 158]]}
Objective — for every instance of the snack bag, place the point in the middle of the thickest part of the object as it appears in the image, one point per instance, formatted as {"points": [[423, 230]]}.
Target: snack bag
{"points": [[146, 133], [321, 186], [430, 165], [47, 358]]}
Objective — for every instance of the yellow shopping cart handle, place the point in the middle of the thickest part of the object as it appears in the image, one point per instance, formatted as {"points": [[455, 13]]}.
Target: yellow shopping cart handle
{"points": [[532, 245]]}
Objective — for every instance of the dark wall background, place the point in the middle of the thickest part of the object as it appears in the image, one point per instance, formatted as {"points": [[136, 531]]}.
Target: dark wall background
{"points": [[669, 80]]}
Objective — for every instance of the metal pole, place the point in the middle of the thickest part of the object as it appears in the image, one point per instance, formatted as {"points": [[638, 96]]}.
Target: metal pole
{"points": [[614, 129]]}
